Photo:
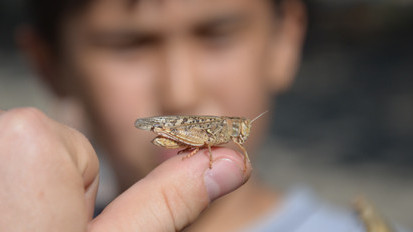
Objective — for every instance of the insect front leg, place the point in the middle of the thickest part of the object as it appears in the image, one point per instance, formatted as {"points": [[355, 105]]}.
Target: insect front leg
{"points": [[246, 158], [210, 156]]}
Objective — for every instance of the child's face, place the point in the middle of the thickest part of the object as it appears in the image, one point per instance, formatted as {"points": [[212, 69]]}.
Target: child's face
{"points": [[202, 57]]}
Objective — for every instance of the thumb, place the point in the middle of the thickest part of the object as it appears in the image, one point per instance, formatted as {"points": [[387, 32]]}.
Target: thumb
{"points": [[174, 194]]}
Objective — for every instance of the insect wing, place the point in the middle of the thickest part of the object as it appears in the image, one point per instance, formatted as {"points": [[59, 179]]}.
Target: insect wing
{"points": [[194, 131], [173, 121], [151, 122]]}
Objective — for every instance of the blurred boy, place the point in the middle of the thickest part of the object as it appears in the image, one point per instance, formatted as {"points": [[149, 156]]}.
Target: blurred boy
{"points": [[127, 59]]}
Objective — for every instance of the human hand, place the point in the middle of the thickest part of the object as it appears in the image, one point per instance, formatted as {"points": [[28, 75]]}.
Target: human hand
{"points": [[49, 179]]}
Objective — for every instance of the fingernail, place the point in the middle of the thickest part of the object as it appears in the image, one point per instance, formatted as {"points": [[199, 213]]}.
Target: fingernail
{"points": [[224, 177]]}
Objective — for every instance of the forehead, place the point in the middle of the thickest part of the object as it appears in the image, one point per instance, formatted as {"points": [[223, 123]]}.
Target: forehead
{"points": [[161, 14]]}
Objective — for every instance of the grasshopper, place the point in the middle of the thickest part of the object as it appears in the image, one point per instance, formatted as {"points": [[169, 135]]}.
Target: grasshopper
{"points": [[191, 133]]}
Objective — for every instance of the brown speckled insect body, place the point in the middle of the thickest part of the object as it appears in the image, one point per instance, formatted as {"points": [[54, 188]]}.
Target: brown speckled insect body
{"points": [[195, 132]]}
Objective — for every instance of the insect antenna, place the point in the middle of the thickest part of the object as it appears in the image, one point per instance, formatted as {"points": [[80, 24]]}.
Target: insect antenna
{"points": [[258, 116]]}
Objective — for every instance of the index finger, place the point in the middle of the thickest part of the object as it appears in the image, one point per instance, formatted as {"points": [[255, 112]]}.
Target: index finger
{"points": [[174, 194]]}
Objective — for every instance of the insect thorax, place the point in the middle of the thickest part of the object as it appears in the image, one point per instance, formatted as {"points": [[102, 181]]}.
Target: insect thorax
{"points": [[239, 128]]}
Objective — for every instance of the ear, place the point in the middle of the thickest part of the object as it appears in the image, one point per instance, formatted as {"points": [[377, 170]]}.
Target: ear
{"points": [[285, 53], [42, 58]]}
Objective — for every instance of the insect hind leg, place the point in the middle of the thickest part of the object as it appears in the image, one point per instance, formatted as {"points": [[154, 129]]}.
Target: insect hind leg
{"points": [[193, 152], [166, 143]]}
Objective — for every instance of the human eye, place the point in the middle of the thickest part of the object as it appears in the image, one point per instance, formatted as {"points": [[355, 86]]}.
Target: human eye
{"points": [[128, 44], [222, 30], [124, 43], [218, 35]]}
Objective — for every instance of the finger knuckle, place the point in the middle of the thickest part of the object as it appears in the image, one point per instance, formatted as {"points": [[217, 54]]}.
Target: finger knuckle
{"points": [[22, 137], [23, 121], [28, 132]]}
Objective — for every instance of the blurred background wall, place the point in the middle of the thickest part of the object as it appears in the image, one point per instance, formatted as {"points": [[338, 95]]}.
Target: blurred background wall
{"points": [[346, 126]]}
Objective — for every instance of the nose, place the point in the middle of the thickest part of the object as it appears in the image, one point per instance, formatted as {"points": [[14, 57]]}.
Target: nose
{"points": [[180, 87]]}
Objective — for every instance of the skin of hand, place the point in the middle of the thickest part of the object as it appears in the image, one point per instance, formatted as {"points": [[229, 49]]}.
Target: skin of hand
{"points": [[49, 178]]}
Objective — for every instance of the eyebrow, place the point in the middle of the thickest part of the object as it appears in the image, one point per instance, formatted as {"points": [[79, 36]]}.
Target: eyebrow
{"points": [[200, 26], [221, 20], [131, 34]]}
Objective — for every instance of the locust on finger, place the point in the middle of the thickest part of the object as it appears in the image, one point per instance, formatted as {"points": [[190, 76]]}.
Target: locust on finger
{"points": [[192, 132]]}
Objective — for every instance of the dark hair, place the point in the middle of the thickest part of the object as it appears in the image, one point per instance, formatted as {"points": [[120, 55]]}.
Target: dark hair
{"points": [[47, 15]]}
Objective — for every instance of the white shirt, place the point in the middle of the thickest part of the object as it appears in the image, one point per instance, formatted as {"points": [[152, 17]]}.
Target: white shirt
{"points": [[302, 211]]}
